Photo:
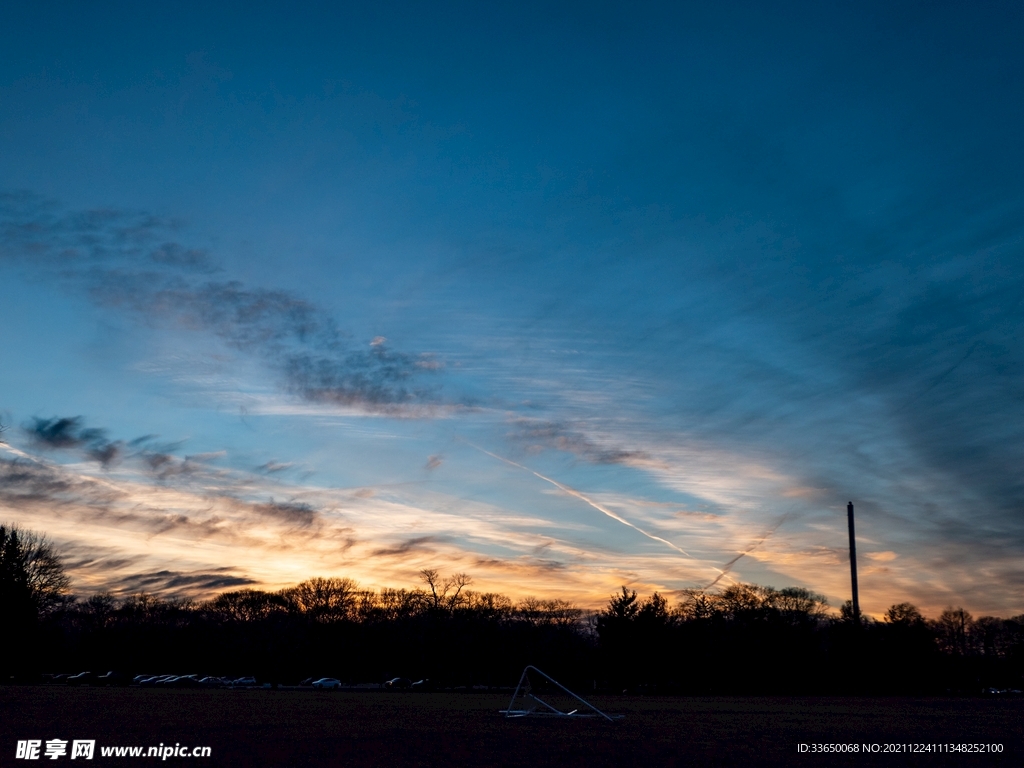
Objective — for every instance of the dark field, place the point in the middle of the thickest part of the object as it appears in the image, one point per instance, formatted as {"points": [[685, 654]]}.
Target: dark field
{"points": [[303, 728]]}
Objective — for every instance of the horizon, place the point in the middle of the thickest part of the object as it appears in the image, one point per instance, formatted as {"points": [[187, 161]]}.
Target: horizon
{"points": [[563, 298]]}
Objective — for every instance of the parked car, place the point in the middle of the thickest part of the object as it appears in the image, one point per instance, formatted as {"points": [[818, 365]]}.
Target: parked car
{"points": [[398, 683], [156, 680], [326, 683], [244, 681], [82, 678], [422, 685]]}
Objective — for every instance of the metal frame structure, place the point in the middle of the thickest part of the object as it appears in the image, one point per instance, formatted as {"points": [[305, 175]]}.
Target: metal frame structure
{"points": [[551, 711]]}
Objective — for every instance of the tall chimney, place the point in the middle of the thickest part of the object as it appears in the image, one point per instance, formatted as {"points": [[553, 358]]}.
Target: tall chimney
{"points": [[853, 564]]}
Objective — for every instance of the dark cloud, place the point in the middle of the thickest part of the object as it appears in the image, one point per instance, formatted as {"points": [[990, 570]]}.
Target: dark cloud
{"points": [[67, 432], [527, 565], [56, 432], [178, 583], [23, 481], [409, 545], [537, 434], [272, 467], [36, 230], [289, 512], [105, 453], [81, 561], [166, 466], [248, 319], [132, 261], [377, 378], [158, 458]]}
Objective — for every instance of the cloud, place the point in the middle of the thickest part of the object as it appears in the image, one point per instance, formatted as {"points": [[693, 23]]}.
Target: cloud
{"points": [[377, 379], [56, 433], [67, 432], [166, 466], [167, 583], [31, 487], [881, 557], [277, 534], [133, 262], [406, 547], [522, 565], [292, 512], [23, 481], [273, 466], [537, 434]]}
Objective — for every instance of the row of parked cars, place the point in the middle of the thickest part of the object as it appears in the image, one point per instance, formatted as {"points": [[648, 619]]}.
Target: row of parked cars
{"points": [[396, 684], [191, 681], [195, 681], [170, 681], [88, 678]]}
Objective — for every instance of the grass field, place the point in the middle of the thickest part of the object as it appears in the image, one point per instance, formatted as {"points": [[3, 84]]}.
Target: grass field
{"points": [[284, 728]]}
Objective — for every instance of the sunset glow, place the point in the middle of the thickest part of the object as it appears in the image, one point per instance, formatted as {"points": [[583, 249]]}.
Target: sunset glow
{"points": [[595, 298]]}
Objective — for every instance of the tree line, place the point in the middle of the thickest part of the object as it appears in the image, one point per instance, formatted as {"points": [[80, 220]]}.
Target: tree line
{"points": [[741, 639]]}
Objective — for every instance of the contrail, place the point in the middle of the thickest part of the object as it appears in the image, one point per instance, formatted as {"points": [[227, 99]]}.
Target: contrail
{"points": [[602, 509], [728, 566]]}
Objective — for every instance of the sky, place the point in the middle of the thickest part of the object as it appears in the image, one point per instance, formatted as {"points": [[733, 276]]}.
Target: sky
{"points": [[561, 296]]}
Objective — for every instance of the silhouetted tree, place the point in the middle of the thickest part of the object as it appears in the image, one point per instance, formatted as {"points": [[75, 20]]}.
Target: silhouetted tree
{"points": [[744, 638], [621, 608], [742, 601], [653, 612], [248, 605], [324, 600], [696, 605], [904, 614], [953, 631], [32, 584], [32, 576], [846, 614], [445, 593], [800, 605]]}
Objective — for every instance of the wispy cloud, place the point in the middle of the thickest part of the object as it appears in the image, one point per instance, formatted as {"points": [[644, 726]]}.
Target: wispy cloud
{"points": [[292, 512], [417, 544], [537, 434], [133, 262], [125, 529], [179, 584]]}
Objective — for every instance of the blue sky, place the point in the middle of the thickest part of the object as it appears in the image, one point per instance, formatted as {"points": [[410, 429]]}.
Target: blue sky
{"points": [[562, 297]]}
